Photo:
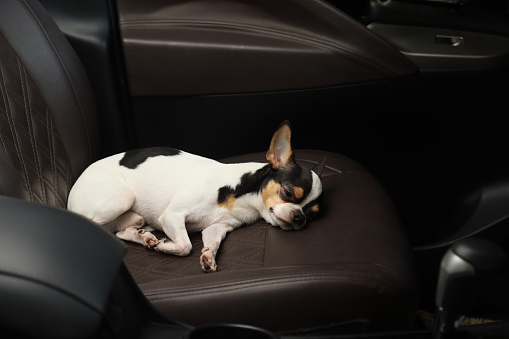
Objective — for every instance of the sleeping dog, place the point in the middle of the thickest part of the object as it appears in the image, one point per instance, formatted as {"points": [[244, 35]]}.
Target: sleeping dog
{"points": [[178, 192]]}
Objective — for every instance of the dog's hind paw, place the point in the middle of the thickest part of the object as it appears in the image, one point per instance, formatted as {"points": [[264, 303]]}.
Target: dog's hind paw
{"points": [[138, 235], [207, 261], [149, 240]]}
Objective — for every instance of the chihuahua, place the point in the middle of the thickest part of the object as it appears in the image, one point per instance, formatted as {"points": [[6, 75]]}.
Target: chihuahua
{"points": [[178, 192]]}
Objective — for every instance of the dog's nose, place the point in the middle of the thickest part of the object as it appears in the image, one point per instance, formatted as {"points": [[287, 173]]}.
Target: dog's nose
{"points": [[298, 218]]}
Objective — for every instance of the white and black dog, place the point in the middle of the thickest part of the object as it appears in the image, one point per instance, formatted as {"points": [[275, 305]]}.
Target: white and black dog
{"points": [[178, 192]]}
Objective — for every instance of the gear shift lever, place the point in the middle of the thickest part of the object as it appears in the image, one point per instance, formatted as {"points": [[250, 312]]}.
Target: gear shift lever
{"points": [[462, 269]]}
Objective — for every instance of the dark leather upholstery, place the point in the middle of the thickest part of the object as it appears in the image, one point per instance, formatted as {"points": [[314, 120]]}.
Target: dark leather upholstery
{"points": [[354, 263], [40, 280], [175, 47], [47, 113]]}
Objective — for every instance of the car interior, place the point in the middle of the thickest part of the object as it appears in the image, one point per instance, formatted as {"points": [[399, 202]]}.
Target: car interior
{"points": [[404, 99]]}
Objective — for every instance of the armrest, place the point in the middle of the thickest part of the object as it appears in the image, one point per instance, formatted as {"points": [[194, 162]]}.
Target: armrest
{"points": [[56, 270]]}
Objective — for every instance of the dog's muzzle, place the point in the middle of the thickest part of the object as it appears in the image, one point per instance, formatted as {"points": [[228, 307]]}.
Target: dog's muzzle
{"points": [[288, 217]]}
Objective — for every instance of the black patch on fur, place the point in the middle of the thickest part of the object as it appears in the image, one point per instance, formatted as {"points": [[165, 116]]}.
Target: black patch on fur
{"points": [[249, 183], [295, 175], [310, 215], [135, 157]]}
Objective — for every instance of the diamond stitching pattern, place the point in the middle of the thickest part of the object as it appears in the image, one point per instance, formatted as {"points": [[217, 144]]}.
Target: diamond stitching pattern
{"points": [[244, 248], [28, 136]]}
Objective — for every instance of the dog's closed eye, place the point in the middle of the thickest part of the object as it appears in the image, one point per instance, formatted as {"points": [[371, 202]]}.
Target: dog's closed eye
{"points": [[291, 193], [287, 193]]}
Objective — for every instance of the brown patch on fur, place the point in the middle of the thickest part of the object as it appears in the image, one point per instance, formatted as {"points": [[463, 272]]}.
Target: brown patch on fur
{"points": [[270, 194], [299, 192], [313, 212], [228, 204]]}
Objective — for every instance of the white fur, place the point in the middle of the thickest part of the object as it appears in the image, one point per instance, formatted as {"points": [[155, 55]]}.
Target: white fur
{"points": [[185, 183], [176, 194]]}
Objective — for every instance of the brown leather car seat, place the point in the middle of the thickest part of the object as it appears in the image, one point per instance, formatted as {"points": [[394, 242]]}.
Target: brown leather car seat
{"points": [[352, 265]]}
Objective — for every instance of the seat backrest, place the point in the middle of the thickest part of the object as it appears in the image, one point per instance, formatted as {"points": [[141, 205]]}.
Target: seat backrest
{"points": [[48, 128]]}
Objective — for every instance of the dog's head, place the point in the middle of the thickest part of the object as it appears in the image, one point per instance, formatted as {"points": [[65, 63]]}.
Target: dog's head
{"points": [[291, 192]]}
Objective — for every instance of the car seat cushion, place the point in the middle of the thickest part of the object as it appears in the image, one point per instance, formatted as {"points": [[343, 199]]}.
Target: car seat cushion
{"points": [[355, 258]]}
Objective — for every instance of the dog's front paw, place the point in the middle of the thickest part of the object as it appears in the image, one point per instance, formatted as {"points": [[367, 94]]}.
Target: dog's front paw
{"points": [[182, 248], [207, 261]]}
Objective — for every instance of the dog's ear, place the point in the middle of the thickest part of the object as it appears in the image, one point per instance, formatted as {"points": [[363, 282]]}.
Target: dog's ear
{"points": [[280, 153], [318, 169]]}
